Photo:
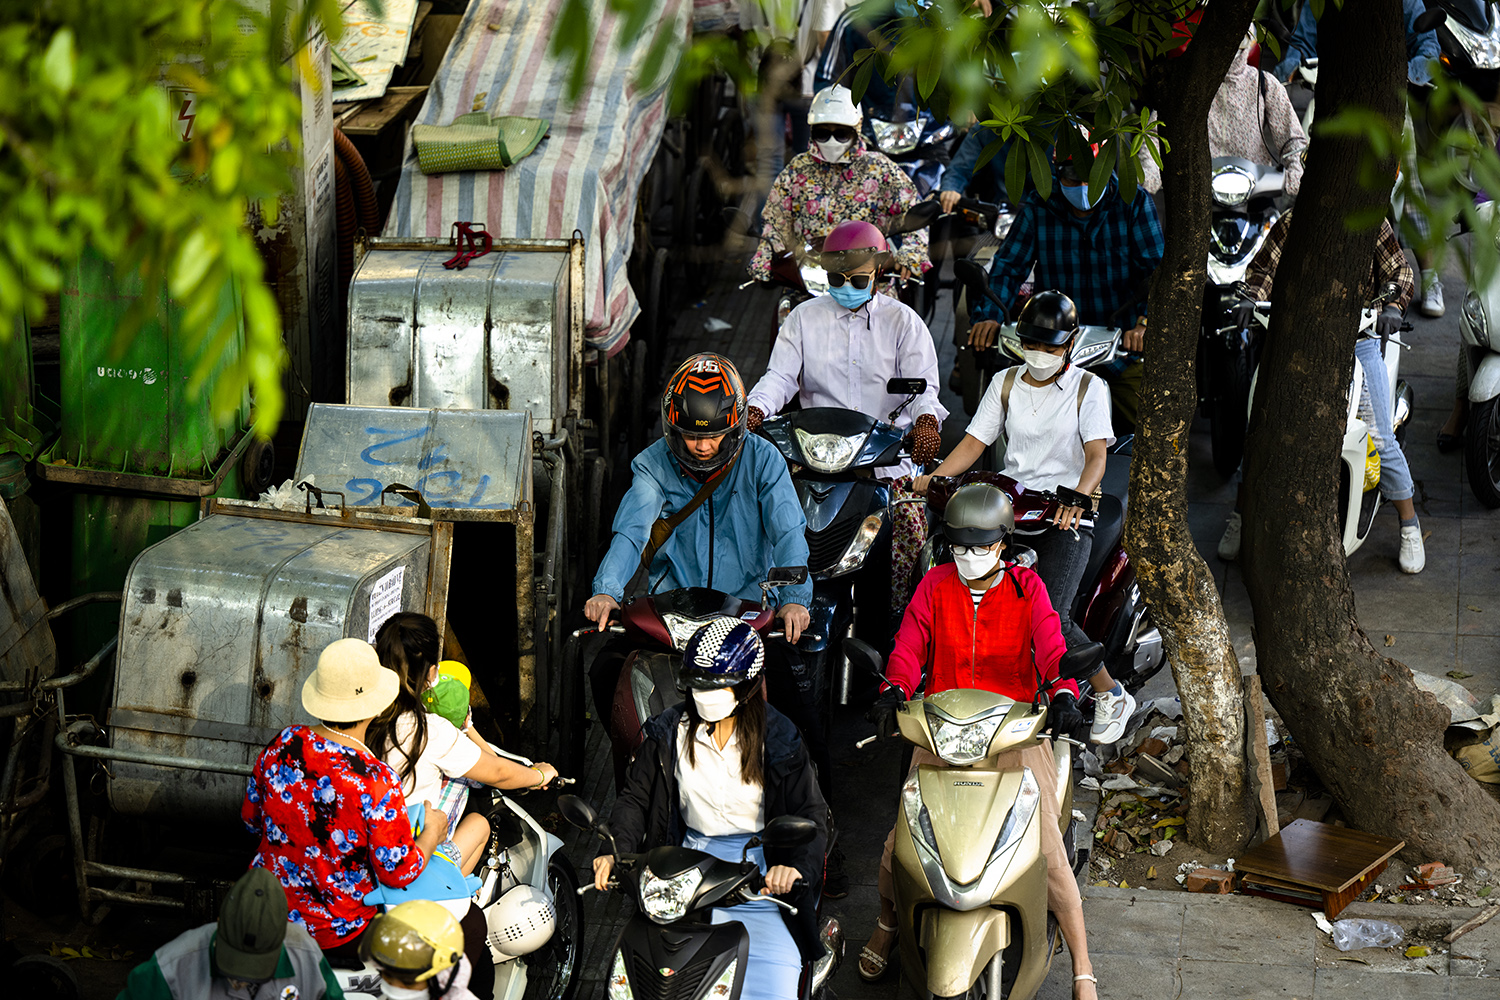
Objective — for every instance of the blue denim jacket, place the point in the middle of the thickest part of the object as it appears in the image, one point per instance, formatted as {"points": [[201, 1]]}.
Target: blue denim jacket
{"points": [[1420, 48]]}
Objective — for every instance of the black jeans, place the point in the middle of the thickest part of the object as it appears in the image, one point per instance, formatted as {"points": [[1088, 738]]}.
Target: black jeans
{"points": [[1060, 562]]}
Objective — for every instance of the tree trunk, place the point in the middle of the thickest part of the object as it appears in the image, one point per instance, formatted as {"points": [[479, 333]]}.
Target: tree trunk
{"points": [[1374, 739], [1173, 577]]}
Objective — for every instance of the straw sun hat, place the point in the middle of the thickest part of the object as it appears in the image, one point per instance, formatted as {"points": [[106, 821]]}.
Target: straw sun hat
{"points": [[349, 684]]}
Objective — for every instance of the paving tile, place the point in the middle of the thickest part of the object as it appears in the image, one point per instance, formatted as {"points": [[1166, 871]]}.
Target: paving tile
{"points": [[1479, 656], [1433, 652], [1120, 922], [1340, 984], [1472, 989], [1218, 980], [1242, 929]]}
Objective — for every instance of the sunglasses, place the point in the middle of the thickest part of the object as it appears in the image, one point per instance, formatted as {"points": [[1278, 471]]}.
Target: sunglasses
{"points": [[822, 133], [859, 281], [964, 550]]}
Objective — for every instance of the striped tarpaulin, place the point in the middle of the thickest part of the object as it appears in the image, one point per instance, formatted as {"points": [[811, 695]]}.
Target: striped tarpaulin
{"points": [[584, 176]]}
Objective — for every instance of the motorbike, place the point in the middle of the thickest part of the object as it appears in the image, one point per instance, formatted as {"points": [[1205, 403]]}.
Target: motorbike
{"points": [[528, 893], [969, 875], [670, 949], [1108, 607], [1360, 498], [1247, 200], [833, 454], [1468, 32], [920, 142], [1482, 354]]}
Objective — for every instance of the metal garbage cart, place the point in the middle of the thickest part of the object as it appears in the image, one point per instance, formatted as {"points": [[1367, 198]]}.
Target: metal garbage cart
{"points": [[220, 624]]}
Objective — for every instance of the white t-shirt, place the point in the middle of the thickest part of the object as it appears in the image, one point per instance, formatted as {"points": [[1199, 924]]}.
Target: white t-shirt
{"points": [[1045, 428], [817, 15], [449, 754], [715, 800]]}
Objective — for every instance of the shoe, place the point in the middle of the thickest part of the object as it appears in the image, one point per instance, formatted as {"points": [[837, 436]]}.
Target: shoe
{"points": [[1432, 295], [835, 881], [955, 382], [1413, 554], [1111, 712], [872, 964], [1229, 543], [1448, 443]]}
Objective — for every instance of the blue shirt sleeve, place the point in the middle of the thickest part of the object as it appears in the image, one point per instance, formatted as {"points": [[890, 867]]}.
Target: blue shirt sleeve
{"points": [[639, 509], [1012, 261], [1304, 44], [961, 168], [782, 521], [1421, 47]]}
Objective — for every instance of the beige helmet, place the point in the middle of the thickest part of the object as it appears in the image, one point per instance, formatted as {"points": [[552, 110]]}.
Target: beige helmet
{"points": [[416, 940]]}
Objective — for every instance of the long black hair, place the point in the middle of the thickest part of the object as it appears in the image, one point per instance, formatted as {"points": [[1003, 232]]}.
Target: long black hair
{"points": [[408, 644], [750, 726]]}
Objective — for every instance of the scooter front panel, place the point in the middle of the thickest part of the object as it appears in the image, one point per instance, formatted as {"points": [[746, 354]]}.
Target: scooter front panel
{"points": [[682, 960], [967, 809]]}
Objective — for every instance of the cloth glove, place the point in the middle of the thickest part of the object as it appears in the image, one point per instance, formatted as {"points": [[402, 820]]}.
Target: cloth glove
{"points": [[1242, 314], [754, 417], [882, 714], [1388, 322], [1063, 715], [926, 438]]}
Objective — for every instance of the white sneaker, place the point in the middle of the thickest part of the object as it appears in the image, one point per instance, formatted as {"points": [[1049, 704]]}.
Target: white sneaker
{"points": [[1111, 712], [1432, 295], [1413, 554], [1229, 544]]}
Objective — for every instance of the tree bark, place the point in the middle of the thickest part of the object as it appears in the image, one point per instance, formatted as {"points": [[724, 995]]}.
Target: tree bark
{"points": [[1374, 739], [1173, 577]]}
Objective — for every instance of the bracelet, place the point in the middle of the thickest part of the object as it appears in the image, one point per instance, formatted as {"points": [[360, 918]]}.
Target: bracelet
{"points": [[540, 773]]}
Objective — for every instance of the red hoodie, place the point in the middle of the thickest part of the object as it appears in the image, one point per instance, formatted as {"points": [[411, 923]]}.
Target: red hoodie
{"points": [[998, 646]]}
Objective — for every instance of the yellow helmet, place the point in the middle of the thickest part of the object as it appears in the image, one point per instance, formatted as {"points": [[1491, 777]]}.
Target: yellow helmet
{"points": [[417, 939]]}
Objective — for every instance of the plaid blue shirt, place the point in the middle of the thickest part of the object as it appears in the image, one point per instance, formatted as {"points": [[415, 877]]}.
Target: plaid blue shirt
{"points": [[1101, 261]]}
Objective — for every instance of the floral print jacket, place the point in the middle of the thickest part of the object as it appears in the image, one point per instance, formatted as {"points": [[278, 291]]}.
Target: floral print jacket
{"points": [[811, 196], [331, 820]]}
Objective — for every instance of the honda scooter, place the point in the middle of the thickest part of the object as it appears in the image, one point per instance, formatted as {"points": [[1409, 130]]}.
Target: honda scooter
{"points": [[670, 949], [1481, 339], [968, 871]]}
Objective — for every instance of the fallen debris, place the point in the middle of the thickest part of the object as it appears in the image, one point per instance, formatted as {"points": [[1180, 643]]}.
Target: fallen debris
{"points": [[1210, 880], [1478, 920]]}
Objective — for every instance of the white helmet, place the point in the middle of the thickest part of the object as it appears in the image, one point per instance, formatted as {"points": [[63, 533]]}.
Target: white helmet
{"points": [[834, 106], [519, 923]]}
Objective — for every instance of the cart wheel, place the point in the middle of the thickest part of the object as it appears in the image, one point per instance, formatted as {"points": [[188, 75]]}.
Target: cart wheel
{"points": [[552, 970], [257, 468]]}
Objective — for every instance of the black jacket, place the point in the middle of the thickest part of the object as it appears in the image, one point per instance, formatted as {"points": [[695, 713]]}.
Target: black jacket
{"points": [[646, 813]]}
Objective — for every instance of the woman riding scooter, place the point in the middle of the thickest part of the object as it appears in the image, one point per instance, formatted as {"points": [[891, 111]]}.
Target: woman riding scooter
{"points": [[1056, 422], [710, 775], [836, 179], [981, 622]]}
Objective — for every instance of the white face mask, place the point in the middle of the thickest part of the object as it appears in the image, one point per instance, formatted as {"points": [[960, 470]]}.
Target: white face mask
{"points": [[1040, 364], [976, 565], [402, 993], [716, 704], [832, 151]]}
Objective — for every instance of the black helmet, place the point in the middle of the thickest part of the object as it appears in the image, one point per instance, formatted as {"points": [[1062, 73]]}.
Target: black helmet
{"points": [[1049, 318], [724, 653], [978, 514], [704, 398]]}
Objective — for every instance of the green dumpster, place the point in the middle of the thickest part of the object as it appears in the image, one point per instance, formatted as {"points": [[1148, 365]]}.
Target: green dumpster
{"points": [[27, 425]]}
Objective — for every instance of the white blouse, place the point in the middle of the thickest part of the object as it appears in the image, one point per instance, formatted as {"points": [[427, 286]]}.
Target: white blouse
{"points": [[715, 800]]}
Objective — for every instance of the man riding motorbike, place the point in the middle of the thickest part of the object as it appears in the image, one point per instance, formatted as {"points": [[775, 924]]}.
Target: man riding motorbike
{"points": [[1099, 253], [712, 772], [840, 349], [982, 622], [837, 178]]}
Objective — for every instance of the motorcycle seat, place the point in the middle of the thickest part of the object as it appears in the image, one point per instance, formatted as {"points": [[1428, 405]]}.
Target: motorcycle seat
{"points": [[1109, 523]]}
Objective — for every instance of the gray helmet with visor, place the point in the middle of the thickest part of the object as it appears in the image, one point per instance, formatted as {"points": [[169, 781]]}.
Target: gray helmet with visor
{"points": [[978, 514]]}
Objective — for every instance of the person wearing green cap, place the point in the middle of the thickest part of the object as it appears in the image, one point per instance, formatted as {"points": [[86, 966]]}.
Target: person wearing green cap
{"points": [[252, 953]]}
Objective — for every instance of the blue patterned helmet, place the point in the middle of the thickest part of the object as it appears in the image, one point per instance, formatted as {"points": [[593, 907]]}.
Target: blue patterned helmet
{"points": [[724, 653]]}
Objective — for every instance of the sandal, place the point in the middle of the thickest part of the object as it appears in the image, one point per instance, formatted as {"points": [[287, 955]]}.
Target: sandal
{"points": [[871, 959], [1085, 977]]}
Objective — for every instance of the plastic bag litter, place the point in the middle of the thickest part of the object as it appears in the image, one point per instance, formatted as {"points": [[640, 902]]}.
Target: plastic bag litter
{"points": [[286, 496], [1354, 933]]}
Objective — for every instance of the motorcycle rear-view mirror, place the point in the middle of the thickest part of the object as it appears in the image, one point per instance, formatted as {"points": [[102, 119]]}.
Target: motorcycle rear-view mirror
{"points": [[1429, 19], [1081, 661], [789, 831], [786, 576], [862, 655], [906, 386], [919, 216], [1389, 292], [577, 812], [976, 280]]}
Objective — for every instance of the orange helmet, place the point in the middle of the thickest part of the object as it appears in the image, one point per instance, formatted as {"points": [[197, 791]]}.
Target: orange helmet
{"points": [[704, 398]]}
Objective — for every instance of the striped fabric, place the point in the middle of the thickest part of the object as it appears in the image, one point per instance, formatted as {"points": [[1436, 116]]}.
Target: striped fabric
{"points": [[584, 176]]}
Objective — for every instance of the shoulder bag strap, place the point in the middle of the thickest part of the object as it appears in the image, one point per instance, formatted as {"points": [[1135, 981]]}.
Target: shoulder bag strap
{"points": [[663, 527], [1006, 385]]}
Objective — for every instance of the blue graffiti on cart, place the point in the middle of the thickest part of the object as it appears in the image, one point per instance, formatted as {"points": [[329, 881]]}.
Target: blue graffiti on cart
{"points": [[443, 488]]}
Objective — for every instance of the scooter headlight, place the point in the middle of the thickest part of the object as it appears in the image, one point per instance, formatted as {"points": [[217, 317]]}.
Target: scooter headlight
{"points": [[1476, 320], [681, 629], [829, 452], [895, 138], [724, 985], [666, 899], [619, 983], [965, 743], [1231, 186], [814, 279], [1020, 814], [859, 546], [1090, 353]]}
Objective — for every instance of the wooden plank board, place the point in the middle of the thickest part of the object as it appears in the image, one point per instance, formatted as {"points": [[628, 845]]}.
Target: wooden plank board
{"points": [[1329, 858], [1260, 755]]}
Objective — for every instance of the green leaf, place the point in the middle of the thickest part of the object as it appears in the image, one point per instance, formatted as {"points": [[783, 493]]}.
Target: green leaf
{"points": [[191, 264], [862, 79], [1485, 891], [1100, 171], [1041, 170], [60, 61], [1015, 172], [988, 153], [1126, 170]]}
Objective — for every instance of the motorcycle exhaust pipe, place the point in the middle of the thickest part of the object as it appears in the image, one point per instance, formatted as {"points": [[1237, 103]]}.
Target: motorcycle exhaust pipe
{"points": [[831, 936]]}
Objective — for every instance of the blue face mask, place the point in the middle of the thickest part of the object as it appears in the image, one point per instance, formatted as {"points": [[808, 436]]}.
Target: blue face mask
{"points": [[1078, 196], [850, 297]]}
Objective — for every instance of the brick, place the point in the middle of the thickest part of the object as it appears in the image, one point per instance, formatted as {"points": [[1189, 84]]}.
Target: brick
{"points": [[1210, 880]]}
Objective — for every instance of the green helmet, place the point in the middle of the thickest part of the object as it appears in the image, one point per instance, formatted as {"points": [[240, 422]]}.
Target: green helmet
{"points": [[978, 514]]}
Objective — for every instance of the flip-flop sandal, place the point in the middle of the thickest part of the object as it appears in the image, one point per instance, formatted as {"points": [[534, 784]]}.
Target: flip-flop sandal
{"points": [[1083, 976], [878, 962]]}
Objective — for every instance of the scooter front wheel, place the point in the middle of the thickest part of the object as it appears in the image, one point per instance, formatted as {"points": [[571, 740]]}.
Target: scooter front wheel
{"points": [[1482, 451], [552, 970]]}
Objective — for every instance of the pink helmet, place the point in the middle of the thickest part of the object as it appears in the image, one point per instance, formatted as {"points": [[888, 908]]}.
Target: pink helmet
{"points": [[852, 244]]}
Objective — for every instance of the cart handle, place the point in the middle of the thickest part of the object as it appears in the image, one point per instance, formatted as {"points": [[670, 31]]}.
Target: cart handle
{"points": [[410, 493], [313, 493]]}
